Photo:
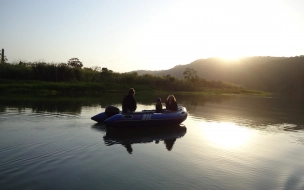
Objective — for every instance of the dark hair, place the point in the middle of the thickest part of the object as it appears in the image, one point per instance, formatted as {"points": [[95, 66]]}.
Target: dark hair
{"points": [[131, 91], [171, 96]]}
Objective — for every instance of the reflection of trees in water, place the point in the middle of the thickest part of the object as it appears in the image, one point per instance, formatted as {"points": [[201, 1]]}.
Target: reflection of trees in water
{"points": [[294, 128], [192, 101], [255, 112], [46, 105], [57, 106], [262, 113], [74, 103], [127, 137], [56, 103]]}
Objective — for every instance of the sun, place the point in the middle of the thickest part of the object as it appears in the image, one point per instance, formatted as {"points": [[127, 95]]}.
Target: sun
{"points": [[230, 30]]}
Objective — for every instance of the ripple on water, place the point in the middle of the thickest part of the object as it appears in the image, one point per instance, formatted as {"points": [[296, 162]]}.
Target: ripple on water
{"points": [[43, 156], [25, 114]]}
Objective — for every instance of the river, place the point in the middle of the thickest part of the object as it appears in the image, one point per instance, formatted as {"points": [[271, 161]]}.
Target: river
{"points": [[227, 142]]}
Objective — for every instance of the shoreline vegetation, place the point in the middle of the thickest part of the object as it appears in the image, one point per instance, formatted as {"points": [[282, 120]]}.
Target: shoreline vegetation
{"points": [[49, 78]]}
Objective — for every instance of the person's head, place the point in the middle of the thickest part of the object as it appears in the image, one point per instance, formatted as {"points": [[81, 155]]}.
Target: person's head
{"points": [[171, 98], [131, 91], [158, 100]]}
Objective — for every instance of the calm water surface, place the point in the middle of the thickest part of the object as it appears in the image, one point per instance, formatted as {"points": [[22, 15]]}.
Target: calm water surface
{"points": [[227, 142]]}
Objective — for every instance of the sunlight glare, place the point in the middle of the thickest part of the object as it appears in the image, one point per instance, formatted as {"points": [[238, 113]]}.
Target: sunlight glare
{"points": [[226, 135], [192, 30]]}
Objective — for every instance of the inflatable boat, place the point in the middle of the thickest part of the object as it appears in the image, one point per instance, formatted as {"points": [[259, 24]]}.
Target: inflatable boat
{"points": [[113, 117]]}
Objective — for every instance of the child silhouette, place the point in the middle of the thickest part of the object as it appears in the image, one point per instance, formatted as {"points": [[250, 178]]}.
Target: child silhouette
{"points": [[159, 106]]}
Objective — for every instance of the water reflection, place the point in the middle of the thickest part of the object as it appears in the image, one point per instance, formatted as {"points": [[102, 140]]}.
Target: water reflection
{"points": [[260, 113], [254, 112], [225, 135], [56, 103], [292, 127], [138, 135]]}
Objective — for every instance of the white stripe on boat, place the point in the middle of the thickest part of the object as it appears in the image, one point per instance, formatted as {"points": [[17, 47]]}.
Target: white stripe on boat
{"points": [[146, 117]]}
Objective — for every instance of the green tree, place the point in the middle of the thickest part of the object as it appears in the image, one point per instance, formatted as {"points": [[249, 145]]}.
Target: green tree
{"points": [[104, 70], [74, 62], [190, 75]]}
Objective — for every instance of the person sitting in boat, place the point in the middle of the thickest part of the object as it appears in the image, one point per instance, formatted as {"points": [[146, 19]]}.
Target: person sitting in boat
{"points": [[158, 106], [129, 102], [171, 104]]}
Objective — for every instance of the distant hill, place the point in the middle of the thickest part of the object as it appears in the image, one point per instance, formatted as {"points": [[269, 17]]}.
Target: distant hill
{"points": [[275, 74]]}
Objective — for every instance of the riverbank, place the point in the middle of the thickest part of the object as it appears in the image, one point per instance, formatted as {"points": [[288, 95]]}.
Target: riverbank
{"points": [[49, 88]]}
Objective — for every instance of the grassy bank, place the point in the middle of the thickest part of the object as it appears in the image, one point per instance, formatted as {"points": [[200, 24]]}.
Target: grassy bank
{"points": [[43, 87], [32, 86]]}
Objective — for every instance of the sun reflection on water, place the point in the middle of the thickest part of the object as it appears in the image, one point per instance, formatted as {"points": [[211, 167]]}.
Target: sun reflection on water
{"points": [[226, 135]]}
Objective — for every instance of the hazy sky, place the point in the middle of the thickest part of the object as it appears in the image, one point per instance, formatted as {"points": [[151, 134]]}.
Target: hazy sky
{"points": [[126, 35]]}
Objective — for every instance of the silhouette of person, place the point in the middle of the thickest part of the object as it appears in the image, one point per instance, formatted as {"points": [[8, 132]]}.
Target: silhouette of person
{"points": [[158, 106], [171, 104], [129, 103]]}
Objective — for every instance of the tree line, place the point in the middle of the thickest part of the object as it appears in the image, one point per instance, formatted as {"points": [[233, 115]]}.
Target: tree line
{"points": [[73, 71]]}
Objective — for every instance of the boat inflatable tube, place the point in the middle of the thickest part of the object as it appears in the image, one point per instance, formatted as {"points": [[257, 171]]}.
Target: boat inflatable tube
{"points": [[113, 117]]}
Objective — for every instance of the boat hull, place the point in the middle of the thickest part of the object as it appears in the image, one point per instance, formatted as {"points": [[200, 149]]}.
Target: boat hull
{"points": [[144, 118]]}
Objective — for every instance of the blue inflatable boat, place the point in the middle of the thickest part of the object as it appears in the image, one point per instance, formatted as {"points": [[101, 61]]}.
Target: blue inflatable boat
{"points": [[113, 117]]}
